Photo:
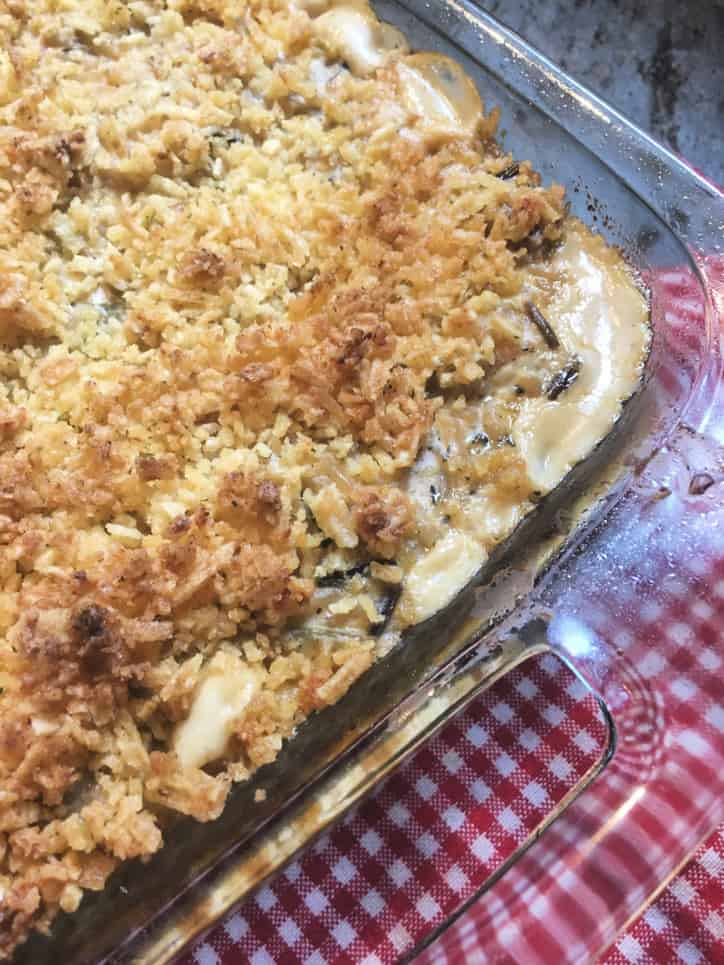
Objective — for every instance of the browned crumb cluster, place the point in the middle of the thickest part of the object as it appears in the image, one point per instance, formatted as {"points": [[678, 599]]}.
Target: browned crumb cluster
{"points": [[240, 286]]}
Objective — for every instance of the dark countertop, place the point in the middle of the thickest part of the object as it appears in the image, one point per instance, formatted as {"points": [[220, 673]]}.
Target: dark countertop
{"points": [[661, 62]]}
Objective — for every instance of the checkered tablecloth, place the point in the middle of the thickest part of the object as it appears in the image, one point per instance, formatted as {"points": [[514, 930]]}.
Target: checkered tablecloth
{"points": [[392, 872], [686, 924]]}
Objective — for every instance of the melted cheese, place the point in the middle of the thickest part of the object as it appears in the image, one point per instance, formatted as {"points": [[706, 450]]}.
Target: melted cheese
{"points": [[221, 697], [352, 35], [441, 94], [600, 316], [437, 577], [491, 516], [435, 89]]}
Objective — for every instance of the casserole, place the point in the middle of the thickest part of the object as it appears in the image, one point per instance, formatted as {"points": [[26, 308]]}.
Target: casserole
{"points": [[658, 248]]}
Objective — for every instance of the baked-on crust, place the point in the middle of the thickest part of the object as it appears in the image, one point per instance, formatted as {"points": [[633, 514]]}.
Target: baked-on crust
{"points": [[239, 283]]}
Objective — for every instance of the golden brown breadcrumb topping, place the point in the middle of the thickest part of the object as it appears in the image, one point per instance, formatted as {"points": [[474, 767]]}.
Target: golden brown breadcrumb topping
{"points": [[243, 290]]}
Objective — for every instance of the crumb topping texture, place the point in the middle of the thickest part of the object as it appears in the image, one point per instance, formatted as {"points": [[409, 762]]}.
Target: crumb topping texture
{"points": [[262, 295]]}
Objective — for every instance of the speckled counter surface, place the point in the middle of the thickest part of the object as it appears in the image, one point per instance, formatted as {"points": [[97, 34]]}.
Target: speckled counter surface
{"points": [[661, 63]]}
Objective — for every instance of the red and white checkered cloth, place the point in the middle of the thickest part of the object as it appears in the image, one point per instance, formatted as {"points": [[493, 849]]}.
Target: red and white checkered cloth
{"points": [[375, 886], [392, 872], [686, 924]]}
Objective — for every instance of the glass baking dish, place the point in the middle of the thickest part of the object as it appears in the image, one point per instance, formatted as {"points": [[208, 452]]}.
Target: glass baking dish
{"points": [[632, 502]]}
